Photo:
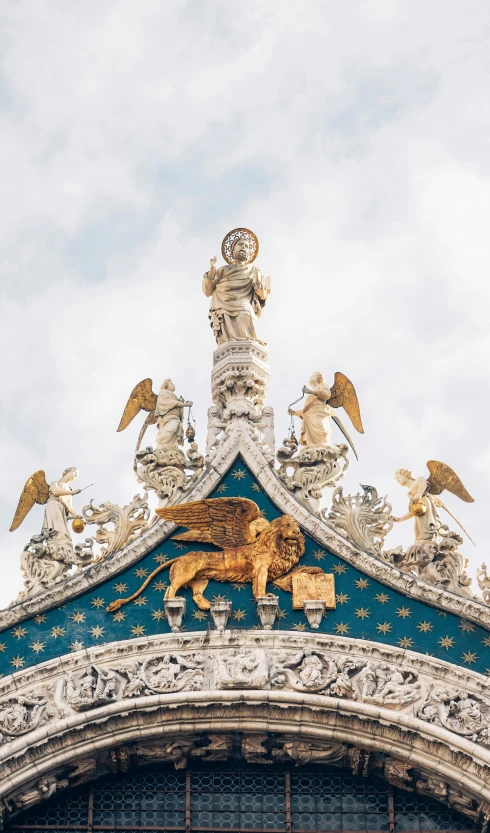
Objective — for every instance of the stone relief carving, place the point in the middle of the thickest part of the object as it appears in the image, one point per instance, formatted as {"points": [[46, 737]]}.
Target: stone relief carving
{"points": [[312, 470], [242, 669], [24, 713], [483, 580], [459, 712], [171, 672], [41, 791], [390, 687], [127, 522], [364, 519], [168, 472], [306, 752], [47, 559], [96, 687], [310, 670]]}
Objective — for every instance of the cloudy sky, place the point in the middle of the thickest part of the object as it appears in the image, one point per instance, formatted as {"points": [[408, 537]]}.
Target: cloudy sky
{"points": [[353, 138]]}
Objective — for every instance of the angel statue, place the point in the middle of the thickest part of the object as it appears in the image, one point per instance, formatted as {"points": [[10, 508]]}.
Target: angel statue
{"points": [[317, 413], [424, 501], [165, 409], [48, 557], [57, 498], [434, 556], [238, 291]]}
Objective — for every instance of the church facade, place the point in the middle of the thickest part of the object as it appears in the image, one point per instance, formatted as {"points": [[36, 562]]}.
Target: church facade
{"points": [[248, 655]]}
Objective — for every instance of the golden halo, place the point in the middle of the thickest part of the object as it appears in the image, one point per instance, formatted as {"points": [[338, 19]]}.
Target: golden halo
{"points": [[232, 237]]}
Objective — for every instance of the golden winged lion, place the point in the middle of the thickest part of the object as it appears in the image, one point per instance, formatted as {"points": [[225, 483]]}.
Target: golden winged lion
{"points": [[251, 549]]}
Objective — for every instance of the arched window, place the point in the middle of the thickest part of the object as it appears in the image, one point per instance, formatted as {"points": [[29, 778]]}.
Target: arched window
{"points": [[238, 797]]}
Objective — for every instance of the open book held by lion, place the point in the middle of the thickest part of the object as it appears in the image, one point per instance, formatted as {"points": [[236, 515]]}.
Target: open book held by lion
{"points": [[251, 549]]}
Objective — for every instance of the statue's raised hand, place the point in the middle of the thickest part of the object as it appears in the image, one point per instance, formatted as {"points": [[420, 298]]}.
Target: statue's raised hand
{"points": [[213, 263]]}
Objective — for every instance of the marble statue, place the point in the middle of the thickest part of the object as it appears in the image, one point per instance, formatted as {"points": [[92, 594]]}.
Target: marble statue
{"points": [[56, 497], [434, 555], [424, 501], [47, 558], [317, 412], [238, 291], [165, 409]]}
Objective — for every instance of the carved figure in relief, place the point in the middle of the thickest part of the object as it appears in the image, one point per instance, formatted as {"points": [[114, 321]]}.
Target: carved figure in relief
{"points": [[304, 752], [310, 670], [387, 686], [460, 712], [238, 291], [317, 412], [165, 409], [266, 428], [483, 580], [172, 672], [252, 550], [96, 687], [44, 789], [434, 556], [23, 713], [242, 669], [215, 427]]}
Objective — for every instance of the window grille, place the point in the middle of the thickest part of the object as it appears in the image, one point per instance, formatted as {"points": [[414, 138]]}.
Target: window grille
{"points": [[239, 797]]}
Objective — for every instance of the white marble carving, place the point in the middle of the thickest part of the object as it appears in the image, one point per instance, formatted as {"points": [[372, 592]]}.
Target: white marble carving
{"points": [[310, 471], [24, 713], [483, 580], [386, 686], [267, 610], [364, 519], [48, 559], [169, 673], [242, 668], [168, 472], [127, 522], [459, 712]]}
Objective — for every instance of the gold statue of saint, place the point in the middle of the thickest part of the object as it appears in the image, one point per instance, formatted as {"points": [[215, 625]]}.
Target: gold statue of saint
{"points": [[251, 549], [238, 291]]}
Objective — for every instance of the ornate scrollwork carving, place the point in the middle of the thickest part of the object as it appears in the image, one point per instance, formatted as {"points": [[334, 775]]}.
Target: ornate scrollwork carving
{"points": [[312, 470], [364, 519], [128, 522]]}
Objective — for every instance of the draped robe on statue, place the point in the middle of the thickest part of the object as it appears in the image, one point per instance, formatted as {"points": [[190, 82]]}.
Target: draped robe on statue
{"points": [[315, 426], [169, 419], [58, 509], [237, 299]]}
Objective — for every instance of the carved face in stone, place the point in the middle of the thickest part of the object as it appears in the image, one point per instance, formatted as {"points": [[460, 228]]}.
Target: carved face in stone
{"points": [[404, 477], [69, 474], [168, 385], [316, 379], [241, 250]]}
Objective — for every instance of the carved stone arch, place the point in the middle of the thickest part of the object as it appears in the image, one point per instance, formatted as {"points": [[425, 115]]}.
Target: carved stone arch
{"points": [[187, 694], [227, 753]]}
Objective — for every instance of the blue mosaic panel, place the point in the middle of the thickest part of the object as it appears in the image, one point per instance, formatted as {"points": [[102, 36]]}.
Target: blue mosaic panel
{"points": [[366, 609]]}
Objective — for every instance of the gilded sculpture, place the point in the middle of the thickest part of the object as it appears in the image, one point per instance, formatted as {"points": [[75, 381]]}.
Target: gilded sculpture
{"points": [[251, 549], [238, 291]]}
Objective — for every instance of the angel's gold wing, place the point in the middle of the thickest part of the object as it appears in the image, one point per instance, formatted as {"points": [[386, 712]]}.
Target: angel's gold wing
{"points": [[443, 477], [141, 398], [224, 521], [343, 395], [36, 490]]}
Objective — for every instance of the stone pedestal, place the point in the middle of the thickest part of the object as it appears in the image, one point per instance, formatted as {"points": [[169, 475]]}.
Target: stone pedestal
{"points": [[240, 379]]}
